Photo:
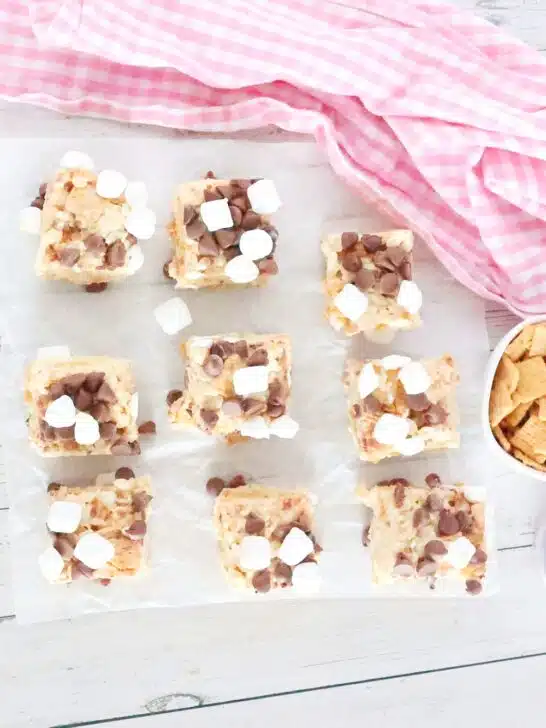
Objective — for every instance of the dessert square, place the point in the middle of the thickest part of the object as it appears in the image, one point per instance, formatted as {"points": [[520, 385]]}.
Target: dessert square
{"points": [[266, 538], [401, 407], [236, 387], [98, 531], [82, 406], [89, 224], [426, 533], [222, 234], [369, 286]]}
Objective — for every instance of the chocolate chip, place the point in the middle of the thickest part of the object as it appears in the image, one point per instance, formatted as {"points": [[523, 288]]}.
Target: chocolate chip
{"points": [[258, 358], [403, 566], [64, 547], [282, 571], [135, 447], [190, 212], [38, 202], [277, 392], [237, 481], [166, 270], [232, 408], [418, 402], [95, 244], [405, 270], [115, 255], [68, 256], [207, 245], [140, 501], [356, 410], [434, 501], [173, 395], [253, 407], [228, 191], [209, 417], [73, 382], [348, 240], [465, 521], [107, 430], [480, 557], [222, 349], [350, 261], [382, 260], [53, 488], [46, 431], [244, 184], [272, 232], [241, 348], [433, 480], [275, 410], [56, 390], [241, 203], [226, 238], [268, 266], [136, 531], [65, 433], [196, 228], [419, 517], [147, 428], [371, 243], [365, 279], [435, 548], [213, 365], [68, 186], [210, 175], [80, 569], [399, 495], [261, 581], [236, 215], [96, 287], [105, 582], [124, 474], [389, 284], [473, 586], [215, 486], [397, 255], [426, 566], [231, 253], [366, 535], [106, 394], [122, 447], [42, 189], [448, 525], [93, 381], [254, 525], [435, 415], [250, 220], [83, 400], [371, 404], [211, 194]]}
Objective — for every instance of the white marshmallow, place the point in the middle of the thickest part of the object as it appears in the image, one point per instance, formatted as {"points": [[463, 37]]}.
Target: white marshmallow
{"points": [[254, 553], [136, 194], [255, 244], [140, 222], [256, 428], [411, 446], [61, 412], [263, 196], [368, 380], [173, 316], [86, 431], [51, 563], [53, 352], [394, 361], [459, 552], [474, 493], [94, 550], [76, 160], [284, 427], [64, 516], [351, 302], [410, 296], [295, 547], [135, 259], [250, 380], [306, 577], [110, 184], [30, 220], [134, 406], [216, 215], [415, 378], [241, 269], [391, 429]]}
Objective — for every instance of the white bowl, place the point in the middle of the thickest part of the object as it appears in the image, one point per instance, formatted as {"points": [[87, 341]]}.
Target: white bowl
{"points": [[494, 359]]}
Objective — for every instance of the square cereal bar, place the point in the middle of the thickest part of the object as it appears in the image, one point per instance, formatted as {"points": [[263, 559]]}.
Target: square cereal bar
{"points": [[236, 387], [222, 233], [266, 538], [401, 407], [89, 226], [426, 532], [82, 406], [369, 286], [98, 531]]}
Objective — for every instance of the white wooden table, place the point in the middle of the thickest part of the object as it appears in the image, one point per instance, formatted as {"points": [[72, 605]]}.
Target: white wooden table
{"points": [[351, 663]]}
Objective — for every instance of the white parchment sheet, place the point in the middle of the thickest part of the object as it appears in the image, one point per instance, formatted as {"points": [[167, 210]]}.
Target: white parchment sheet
{"points": [[120, 322]]}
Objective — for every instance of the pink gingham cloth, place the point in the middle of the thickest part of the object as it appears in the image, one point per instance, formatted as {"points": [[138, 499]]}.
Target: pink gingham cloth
{"points": [[433, 115]]}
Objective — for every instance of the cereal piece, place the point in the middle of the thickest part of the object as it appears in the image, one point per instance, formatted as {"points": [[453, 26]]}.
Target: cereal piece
{"points": [[531, 439], [520, 345], [541, 414], [538, 343], [532, 380], [528, 461], [502, 439], [514, 418], [264, 535], [504, 384]]}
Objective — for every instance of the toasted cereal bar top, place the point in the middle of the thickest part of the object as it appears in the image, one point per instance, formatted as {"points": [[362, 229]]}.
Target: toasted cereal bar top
{"points": [[429, 532]]}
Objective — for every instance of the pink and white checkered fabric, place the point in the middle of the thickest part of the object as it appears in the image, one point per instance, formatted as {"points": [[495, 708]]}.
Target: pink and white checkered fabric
{"points": [[432, 114]]}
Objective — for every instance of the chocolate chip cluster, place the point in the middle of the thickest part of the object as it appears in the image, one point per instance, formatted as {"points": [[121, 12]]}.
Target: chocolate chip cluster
{"points": [[392, 264], [421, 410]]}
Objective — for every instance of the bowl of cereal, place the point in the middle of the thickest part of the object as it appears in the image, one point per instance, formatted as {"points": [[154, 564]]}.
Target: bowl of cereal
{"points": [[514, 406]]}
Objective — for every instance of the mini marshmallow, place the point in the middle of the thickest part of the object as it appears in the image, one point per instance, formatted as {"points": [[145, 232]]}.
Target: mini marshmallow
{"points": [[94, 550], [254, 553], [284, 427], [250, 380], [295, 547], [30, 220], [391, 429], [135, 259], [136, 194], [351, 302], [134, 406], [411, 446], [410, 296], [53, 352], [474, 493], [256, 428], [415, 378], [394, 361], [140, 222], [173, 316], [110, 184], [64, 516], [306, 577], [263, 197], [241, 269], [216, 215], [255, 244], [51, 563], [86, 431], [76, 160], [368, 381], [61, 412], [459, 552]]}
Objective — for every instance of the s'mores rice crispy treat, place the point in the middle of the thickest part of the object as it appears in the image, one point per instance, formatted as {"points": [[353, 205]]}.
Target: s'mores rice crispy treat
{"points": [[97, 531], [89, 224], [82, 406], [369, 286], [427, 532], [401, 407], [266, 538], [222, 234], [236, 387]]}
